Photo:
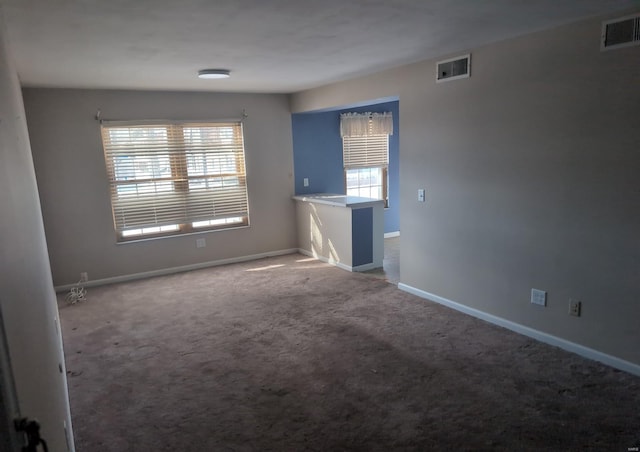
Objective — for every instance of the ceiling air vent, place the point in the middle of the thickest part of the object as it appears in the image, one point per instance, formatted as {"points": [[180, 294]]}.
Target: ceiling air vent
{"points": [[454, 68], [622, 32]]}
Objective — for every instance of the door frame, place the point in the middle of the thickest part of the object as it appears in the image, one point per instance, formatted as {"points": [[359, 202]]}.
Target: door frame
{"points": [[9, 408]]}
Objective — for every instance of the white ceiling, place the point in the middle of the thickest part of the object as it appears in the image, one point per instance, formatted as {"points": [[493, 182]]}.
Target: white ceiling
{"points": [[269, 45]]}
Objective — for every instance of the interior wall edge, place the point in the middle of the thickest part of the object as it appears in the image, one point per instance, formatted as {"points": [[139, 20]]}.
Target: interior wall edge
{"points": [[28, 301]]}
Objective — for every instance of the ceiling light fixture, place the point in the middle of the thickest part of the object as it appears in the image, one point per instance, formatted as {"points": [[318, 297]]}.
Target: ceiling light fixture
{"points": [[214, 73]]}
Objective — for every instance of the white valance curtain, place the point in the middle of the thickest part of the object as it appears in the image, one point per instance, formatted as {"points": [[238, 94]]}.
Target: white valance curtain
{"points": [[366, 124]]}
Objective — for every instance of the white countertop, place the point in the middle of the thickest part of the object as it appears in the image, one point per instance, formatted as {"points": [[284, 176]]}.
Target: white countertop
{"points": [[354, 202]]}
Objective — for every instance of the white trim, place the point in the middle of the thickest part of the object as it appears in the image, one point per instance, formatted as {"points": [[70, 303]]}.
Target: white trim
{"points": [[8, 394], [339, 265], [330, 199], [388, 235], [325, 260], [357, 268], [142, 238], [182, 268], [365, 267], [578, 349]]}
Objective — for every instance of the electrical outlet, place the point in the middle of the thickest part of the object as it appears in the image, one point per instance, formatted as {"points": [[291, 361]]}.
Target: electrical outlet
{"points": [[201, 243], [84, 277], [574, 307], [538, 297]]}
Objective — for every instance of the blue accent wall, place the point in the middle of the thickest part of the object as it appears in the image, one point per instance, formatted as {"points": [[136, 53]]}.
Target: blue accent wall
{"points": [[317, 155], [361, 236], [317, 152]]}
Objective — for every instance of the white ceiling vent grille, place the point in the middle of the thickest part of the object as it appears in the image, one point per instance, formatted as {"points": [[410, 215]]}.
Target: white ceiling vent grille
{"points": [[622, 32], [454, 68]]}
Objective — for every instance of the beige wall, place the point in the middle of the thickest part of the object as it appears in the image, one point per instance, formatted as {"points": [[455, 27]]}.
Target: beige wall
{"points": [[70, 168], [27, 298], [531, 168], [325, 231]]}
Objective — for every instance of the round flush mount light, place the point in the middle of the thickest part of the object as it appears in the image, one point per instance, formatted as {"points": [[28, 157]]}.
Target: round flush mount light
{"points": [[214, 73]]}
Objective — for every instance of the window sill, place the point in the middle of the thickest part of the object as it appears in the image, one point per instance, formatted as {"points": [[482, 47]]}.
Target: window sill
{"points": [[185, 234]]}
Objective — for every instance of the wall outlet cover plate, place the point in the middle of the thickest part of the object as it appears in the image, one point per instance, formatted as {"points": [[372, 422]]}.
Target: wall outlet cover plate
{"points": [[538, 297], [574, 307]]}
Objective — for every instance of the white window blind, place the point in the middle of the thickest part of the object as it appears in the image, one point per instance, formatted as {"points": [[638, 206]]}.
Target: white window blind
{"points": [[365, 151], [175, 177]]}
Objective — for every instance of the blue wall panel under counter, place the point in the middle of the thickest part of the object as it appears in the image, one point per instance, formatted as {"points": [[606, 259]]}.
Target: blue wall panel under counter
{"points": [[362, 236]]}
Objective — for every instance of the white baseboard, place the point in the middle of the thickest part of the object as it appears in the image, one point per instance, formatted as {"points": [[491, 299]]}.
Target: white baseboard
{"points": [[578, 349], [325, 260], [182, 268], [366, 267], [357, 268], [310, 254], [388, 235]]}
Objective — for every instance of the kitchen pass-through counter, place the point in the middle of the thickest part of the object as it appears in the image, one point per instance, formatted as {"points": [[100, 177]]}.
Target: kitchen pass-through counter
{"points": [[347, 231]]}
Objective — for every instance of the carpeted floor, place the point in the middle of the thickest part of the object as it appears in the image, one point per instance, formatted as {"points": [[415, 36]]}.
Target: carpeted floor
{"points": [[289, 354]]}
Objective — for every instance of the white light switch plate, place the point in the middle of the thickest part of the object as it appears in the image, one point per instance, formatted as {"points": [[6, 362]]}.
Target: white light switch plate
{"points": [[305, 181], [421, 194]]}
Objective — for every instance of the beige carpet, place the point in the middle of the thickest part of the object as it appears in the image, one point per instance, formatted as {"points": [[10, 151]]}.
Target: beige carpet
{"points": [[289, 354]]}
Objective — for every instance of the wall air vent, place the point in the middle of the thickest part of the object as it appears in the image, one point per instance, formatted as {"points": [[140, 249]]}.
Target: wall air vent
{"points": [[622, 32], [454, 68]]}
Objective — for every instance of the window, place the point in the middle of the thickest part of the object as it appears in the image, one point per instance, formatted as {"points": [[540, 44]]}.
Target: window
{"points": [[367, 182], [366, 160], [175, 178]]}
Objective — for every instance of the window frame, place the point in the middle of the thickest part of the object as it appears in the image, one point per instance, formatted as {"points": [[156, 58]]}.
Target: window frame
{"points": [[385, 181], [384, 167], [177, 150]]}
